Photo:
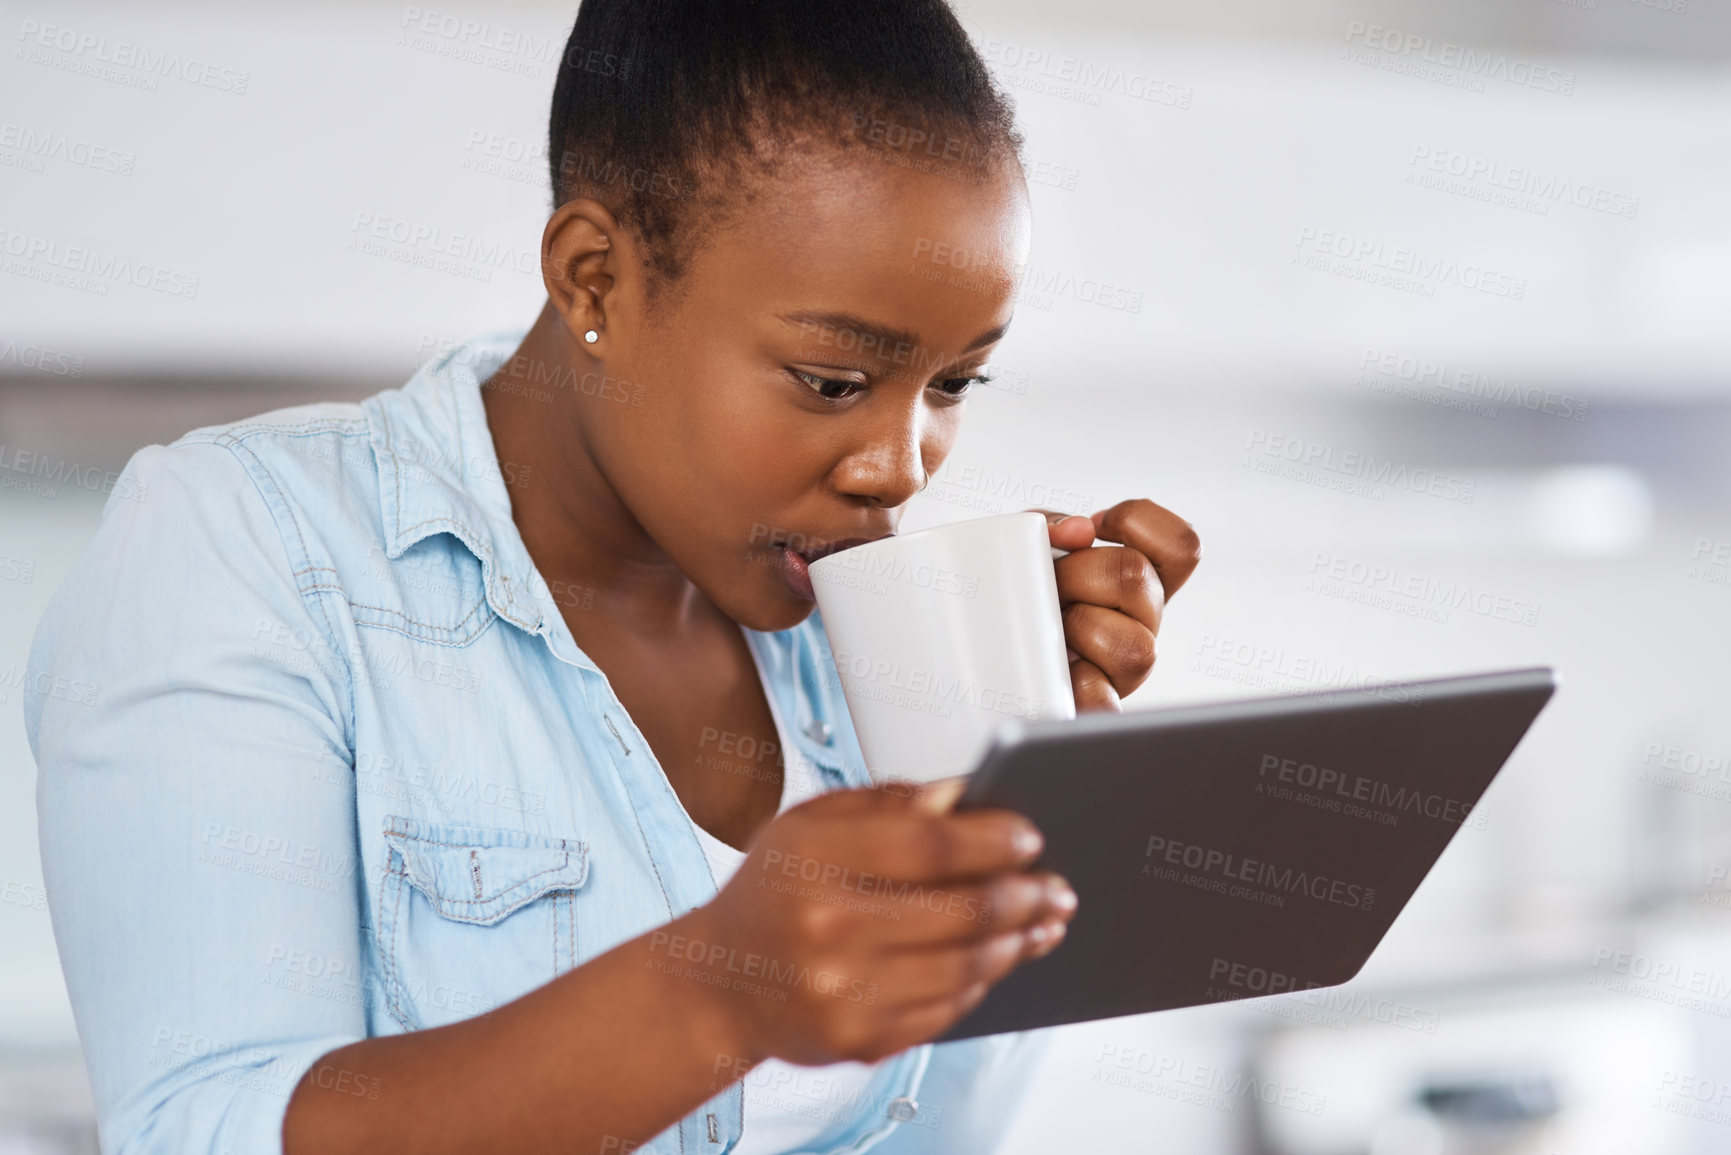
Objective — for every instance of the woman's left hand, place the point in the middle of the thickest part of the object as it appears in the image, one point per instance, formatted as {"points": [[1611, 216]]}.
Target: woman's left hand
{"points": [[1113, 596]]}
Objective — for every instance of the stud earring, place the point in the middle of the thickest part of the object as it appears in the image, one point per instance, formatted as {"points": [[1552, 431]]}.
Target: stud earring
{"points": [[591, 336]]}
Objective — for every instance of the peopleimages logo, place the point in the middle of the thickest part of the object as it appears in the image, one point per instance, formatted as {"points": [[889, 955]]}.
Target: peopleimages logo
{"points": [[38, 473], [41, 145], [1470, 383], [1213, 1085], [483, 34], [1234, 868], [1516, 186], [515, 51], [1466, 62], [823, 874], [1416, 595], [874, 564], [1364, 258], [1311, 1002], [41, 359], [98, 56], [1360, 467], [1040, 283], [1074, 78], [430, 246], [1275, 667], [74, 690], [1004, 488], [717, 965], [1324, 783], [86, 269], [1661, 980], [1705, 773], [872, 677], [1694, 1096]]}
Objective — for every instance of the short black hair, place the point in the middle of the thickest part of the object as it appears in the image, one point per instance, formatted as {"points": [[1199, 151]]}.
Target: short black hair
{"points": [[662, 107]]}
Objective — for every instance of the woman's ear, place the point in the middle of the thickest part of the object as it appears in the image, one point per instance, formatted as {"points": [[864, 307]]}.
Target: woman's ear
{"points": [[579, 261]]}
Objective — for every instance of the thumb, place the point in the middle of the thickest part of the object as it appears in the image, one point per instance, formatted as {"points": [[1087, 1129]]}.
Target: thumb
{"points": [[1068, 531], [940, 796]]}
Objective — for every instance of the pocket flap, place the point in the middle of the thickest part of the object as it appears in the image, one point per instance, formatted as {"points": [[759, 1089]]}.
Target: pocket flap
{"points": [[483, 873]]}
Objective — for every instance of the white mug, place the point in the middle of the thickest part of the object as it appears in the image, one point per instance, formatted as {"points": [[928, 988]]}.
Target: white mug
{"points": [[942, 635]]}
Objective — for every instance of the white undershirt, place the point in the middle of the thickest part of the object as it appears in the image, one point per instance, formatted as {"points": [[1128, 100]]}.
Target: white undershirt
{"points": [[787, 1106]]}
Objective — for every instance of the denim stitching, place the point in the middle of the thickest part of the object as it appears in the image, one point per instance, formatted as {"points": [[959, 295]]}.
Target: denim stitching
{"points": [[235, 448], [427, 628], [551, 843], [420, 637], [454, 522], [382, 939], [396, 472], [398, 1004], [417, 622], [444, 900], [440, 900], [653, 865], [665, 897], [300, 537], [345, 426]]}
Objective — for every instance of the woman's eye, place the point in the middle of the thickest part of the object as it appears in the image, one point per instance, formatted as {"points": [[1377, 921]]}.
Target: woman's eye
{"points": [[836, 389], [828, 388], [959, 386]]}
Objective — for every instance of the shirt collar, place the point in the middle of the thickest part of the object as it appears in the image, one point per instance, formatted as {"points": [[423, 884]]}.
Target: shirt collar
{"points": [[439, 473]]}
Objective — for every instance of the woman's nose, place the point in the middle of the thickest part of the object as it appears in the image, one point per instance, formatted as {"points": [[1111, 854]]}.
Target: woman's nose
{"points": [[888, 469]]}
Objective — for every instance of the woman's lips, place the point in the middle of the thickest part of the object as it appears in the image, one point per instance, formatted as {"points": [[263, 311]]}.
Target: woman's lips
{"points": [[797, 574], [796, 564]]}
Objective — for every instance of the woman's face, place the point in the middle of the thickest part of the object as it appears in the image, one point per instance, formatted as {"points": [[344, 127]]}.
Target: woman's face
{"points": [[811, 373]]}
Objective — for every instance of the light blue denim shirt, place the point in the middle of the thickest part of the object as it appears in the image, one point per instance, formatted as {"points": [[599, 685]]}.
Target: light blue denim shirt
{"points": [[320, 760]]}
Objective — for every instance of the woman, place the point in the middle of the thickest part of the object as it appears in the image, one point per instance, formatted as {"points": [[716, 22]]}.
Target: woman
{"points": [[424, 802]]}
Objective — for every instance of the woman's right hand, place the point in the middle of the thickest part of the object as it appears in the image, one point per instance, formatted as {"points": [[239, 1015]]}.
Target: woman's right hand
{"points": [[866, 921]]}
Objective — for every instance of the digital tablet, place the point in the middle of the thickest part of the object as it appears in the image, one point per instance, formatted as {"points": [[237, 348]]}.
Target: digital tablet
{"points": [[1240, 849]]}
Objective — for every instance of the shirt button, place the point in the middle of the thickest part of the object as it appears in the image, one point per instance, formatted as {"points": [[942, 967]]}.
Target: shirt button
{"points": [[902, 1108], [818, 730]]}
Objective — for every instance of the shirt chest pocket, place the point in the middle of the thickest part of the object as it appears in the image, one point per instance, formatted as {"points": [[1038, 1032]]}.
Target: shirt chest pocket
{"points": [[473, 916]]}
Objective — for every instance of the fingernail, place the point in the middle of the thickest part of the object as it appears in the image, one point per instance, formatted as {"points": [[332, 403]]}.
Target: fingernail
{"points": [[1044, 939], [1061, 894], [1027, 842]]}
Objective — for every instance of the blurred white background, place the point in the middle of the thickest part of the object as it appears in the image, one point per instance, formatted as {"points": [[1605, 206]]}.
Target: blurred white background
{"points": [[1490, 240]]}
